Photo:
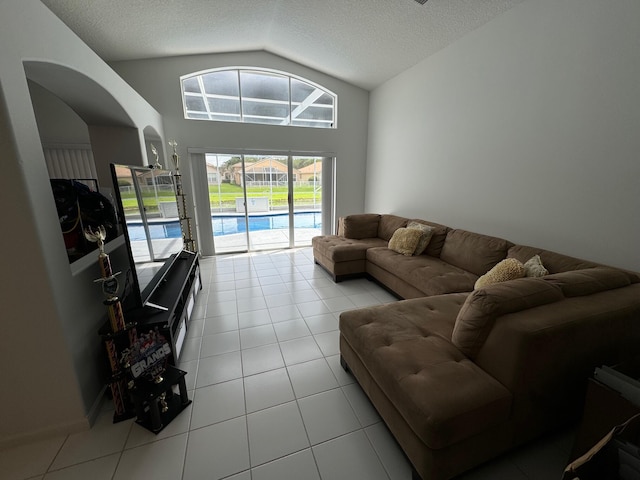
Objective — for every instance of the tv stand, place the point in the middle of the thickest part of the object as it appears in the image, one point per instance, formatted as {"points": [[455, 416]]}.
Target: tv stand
{"points": [[153, 305], [169, 308]]}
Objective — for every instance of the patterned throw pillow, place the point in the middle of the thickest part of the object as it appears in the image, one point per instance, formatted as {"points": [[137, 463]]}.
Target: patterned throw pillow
{"points": [[405, 240], [534, 268], [507, 269], [427, 233]]}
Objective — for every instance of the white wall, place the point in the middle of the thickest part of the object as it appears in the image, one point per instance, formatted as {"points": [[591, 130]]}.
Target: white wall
{"points": [[158, 81], [528, 128], [57, 122], [49, 315]]}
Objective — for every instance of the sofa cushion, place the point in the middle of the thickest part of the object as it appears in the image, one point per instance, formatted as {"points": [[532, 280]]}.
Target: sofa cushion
{"points": [[552, 261], [389, 224], [427, 233], [430, 275], [434, 248], [483, 306], [341, 249], [588, 281], [405, 241], [364, 225], [443, 396], [473, 252], [534, 267], [507, 269]]}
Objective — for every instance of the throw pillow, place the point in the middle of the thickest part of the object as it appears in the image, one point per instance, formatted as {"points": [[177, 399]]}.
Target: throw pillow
{"points": [[534, 268], [507, 269], [427, 233], [405, 240]]}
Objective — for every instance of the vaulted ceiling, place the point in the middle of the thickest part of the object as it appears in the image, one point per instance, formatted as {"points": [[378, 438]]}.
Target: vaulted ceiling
{"points": [[364, 42]]}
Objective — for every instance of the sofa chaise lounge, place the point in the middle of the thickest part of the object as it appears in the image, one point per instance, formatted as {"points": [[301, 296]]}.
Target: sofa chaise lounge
{"points": [[461, 374]]}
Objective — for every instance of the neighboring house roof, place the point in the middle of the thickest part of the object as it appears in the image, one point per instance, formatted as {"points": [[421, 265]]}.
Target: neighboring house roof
{"points": [[122, 172], [311, 168], [260, 165]]}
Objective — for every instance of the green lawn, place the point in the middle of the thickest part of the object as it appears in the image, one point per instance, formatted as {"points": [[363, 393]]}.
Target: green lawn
{"points": [[130, 203], [226, 197]]}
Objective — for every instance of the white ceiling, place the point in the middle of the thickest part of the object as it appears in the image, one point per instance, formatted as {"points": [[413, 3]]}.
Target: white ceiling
{"points": [[364, 42]]}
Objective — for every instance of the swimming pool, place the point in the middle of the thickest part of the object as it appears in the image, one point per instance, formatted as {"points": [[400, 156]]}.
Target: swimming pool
{"points": [[229, 225]]}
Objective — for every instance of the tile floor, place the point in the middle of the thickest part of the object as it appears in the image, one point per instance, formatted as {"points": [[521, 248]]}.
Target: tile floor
{"points": [[270, 400]]}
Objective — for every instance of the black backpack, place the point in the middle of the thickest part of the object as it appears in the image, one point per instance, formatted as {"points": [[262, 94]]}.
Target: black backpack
{"points": [[78, 208]]}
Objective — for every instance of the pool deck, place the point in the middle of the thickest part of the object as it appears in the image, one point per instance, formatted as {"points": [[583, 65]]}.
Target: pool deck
{"points": [[263, 240], [236, 242]]}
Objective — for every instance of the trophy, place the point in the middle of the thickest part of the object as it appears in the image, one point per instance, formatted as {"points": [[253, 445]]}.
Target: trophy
{"points": [[113, 339], [175, 157], [108, 280], [185, 220], [155, 153]]}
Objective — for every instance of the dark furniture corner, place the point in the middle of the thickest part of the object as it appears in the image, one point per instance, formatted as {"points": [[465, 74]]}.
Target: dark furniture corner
{"points": [[604, 408]]}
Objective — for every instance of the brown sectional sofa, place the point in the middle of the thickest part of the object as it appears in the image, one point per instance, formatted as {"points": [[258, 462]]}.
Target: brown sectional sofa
{"points": [[461, 375]]}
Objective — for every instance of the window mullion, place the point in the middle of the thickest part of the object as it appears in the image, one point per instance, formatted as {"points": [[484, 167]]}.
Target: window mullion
{"points": [[240, 97], [204, 96], [307, 102], [290, 116]]}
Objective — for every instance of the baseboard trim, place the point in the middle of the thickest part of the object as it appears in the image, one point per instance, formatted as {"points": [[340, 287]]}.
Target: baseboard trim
{"points": [[52, 431], [96, 408], [58, 430]]}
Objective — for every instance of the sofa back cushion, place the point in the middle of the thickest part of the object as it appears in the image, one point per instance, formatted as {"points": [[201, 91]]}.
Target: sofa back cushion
{"points": [[362, 225], [477, 315], [552, 261], [389, 224], [473, 252], [434, 247], [589, 280]]}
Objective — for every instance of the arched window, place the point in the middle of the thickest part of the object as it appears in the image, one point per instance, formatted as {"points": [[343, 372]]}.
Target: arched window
{"points": [[254, 95]]}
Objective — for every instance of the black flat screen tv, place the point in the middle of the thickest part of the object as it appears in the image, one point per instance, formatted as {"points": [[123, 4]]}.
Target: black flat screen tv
{"points": [[148, 210]]}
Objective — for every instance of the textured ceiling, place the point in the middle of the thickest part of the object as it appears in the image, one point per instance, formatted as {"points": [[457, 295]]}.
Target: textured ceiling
{"points": [[364, 42]]}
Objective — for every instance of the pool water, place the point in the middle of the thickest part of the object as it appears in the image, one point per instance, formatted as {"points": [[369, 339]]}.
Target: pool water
{"points": [[229, 225]]}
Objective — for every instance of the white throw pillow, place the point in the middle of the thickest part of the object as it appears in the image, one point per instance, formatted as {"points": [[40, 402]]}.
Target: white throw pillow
{"points": [[534, 268]]}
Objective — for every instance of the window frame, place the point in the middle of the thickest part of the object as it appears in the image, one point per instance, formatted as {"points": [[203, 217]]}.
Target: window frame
{"points": [[210, 116]]}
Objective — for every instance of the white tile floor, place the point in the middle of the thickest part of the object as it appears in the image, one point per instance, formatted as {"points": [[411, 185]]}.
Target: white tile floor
{"points": [[270, 400]]}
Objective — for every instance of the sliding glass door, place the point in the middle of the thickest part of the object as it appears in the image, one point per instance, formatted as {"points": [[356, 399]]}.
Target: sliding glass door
{"points": [[307, 200], [262, 202], [266, 186], [225, 199]]}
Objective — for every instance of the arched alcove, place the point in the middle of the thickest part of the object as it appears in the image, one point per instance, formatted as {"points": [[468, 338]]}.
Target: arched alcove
{"points": [[90, 100], [113, 136]]}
